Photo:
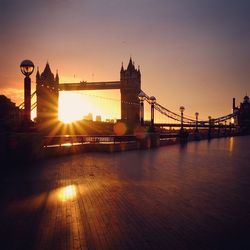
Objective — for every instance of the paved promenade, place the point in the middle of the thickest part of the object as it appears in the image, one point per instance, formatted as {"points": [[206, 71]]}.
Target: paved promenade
{"points": [[193, 197]]}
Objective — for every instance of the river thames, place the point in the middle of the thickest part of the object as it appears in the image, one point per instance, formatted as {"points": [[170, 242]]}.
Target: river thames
{"points": [[193, 196]]}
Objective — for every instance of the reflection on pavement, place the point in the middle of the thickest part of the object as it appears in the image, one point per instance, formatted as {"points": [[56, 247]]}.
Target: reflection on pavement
{"points": [[67, 193]]}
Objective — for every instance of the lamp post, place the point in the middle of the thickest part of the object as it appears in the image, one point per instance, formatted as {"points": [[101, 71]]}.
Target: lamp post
{"points": [[27, 68], [141, 97], [196, 121], [152, 102], [182, 108], [209, 124]]}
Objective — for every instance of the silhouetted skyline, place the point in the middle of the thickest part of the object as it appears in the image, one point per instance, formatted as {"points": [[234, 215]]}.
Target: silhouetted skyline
{"points": [[192, 53]]}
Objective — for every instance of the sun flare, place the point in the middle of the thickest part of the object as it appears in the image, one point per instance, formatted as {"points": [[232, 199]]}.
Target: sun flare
{"points": [[73, 106]]}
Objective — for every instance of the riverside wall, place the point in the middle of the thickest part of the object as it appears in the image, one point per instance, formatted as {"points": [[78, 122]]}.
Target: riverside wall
{"points": [[22, 148]]}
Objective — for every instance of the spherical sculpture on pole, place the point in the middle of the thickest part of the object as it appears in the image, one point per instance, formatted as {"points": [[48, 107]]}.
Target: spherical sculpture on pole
{"points": [[27, 68], [152, 99], [141, 96], [182, 108]]}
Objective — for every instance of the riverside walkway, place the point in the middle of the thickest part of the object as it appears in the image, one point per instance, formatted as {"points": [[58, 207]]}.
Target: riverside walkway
{"points": [[178, 197]]}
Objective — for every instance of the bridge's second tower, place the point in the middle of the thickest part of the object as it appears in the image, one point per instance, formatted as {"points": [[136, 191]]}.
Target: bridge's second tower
{"points": [[243, 117], [130, 79], [47, 96]]}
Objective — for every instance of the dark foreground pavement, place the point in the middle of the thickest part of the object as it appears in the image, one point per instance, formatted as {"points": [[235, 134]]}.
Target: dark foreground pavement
{"points": [[168, 198]]}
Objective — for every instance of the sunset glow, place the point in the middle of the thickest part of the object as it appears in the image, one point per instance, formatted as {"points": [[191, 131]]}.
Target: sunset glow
{"points": [[74, 106], [195, 49], [125, 124]]}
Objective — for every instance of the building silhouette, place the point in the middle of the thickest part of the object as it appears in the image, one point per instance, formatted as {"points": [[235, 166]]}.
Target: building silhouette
{"points": [[98, 118], [243, 114], [88, 117], [130, 79], [10, 114], [47, 95]]}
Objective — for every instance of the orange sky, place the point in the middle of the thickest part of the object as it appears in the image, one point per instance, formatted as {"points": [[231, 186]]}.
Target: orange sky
{"points": [[194, 54]]}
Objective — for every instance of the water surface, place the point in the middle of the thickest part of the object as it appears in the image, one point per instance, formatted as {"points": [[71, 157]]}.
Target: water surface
{"points": [[193, 196]]}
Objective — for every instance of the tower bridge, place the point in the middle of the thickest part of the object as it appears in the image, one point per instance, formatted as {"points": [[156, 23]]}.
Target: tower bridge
{"points": [[48, 87], [132, 102]]}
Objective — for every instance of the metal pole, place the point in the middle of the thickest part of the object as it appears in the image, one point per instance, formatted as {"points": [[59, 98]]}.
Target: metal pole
{"points": [[196, 121], [27, 98], [152, 115], [142, 113], [181, 120], [209, 126]]}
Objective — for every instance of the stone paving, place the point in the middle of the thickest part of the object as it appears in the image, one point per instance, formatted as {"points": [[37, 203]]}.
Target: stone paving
{"points": [[168, 198]]}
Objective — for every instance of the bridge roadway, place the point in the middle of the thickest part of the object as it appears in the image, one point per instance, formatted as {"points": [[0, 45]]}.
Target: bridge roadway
{"points": [[192, 197], [89, 86]]}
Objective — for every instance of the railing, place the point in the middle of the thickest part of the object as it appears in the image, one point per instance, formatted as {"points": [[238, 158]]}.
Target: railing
{"points": [[21, 106], [199, 125], [174, 116], [170, 114], [68, 140]]}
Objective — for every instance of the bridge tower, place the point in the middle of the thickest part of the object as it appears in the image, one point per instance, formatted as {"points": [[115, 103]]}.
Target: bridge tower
{"points": [[243, 118], [130, 79], [47, 96]]}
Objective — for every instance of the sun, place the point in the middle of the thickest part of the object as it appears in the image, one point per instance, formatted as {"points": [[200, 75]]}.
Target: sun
{"points": [[73, 106]]}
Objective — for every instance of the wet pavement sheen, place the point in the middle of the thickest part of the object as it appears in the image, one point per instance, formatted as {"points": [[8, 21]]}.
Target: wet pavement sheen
{"points": [[176, 197]]}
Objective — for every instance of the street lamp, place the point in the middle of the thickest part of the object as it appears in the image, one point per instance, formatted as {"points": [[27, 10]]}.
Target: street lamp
{"points": [[141, 97], [209, 123], [27, 68], [182, 108], [152, 102], [196, 121]]}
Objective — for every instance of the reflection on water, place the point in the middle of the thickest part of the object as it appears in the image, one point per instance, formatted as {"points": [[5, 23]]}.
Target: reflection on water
{"points": [[182, 192], [231, 144], [67, 193]]}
